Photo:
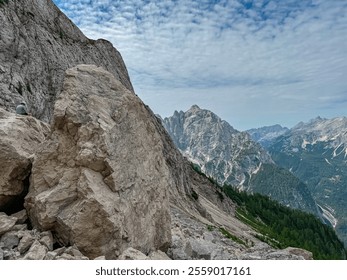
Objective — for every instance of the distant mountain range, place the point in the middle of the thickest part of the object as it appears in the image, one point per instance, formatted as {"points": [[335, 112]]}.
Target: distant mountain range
{"points": [[232, 157], [267, 134], [316, 152]]}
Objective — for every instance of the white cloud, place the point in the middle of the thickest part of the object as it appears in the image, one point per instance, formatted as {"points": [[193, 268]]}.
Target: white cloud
{"points": [[253, 62]]}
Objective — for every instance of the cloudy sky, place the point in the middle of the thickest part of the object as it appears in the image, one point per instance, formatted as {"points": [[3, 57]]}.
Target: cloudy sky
{"points": [[252, 62]]}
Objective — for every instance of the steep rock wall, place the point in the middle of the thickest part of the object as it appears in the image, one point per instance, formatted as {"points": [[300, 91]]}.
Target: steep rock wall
{"points": [[37, 44]]}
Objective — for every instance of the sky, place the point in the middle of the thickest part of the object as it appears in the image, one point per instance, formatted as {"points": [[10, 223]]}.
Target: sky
{"points": [[252, 62]]}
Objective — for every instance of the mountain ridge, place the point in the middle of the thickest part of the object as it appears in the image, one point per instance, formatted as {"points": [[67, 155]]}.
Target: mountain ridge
{"points": [[316, 152], [232, 157], [267, 134]]}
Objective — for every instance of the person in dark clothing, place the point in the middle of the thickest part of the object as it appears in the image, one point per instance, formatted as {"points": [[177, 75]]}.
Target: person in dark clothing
{"points": [[22, 109]]}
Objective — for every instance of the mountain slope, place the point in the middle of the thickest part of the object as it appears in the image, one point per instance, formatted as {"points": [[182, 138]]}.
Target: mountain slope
{"points": [[316, 153], [232, 157], [38, 43]]}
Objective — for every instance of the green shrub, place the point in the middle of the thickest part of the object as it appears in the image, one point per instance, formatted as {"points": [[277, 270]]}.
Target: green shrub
{"points": [[227, 234], [210, 227]]}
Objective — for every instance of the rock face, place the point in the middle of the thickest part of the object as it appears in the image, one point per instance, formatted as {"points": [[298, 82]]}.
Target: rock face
{"points": [[100, 181], [232, 157], [38, 43], [20, 137], [316, 153]]}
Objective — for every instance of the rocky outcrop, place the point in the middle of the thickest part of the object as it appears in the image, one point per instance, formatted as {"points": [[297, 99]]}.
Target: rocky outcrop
{"points": [[20, 137], [38, 43], [100, 182]]}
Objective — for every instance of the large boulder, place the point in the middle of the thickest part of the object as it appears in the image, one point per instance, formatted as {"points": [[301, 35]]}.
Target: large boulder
{"points": [[20, 137], [101, 182]]}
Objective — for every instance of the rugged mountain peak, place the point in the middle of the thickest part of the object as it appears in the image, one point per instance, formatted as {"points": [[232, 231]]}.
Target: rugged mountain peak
{"points": [[332, 132], [209, 141], [194, 108], [38, 43], [196, 113]]}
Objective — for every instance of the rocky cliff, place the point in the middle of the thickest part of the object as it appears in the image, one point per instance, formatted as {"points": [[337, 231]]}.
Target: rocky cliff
{"points": [[37, 44]]}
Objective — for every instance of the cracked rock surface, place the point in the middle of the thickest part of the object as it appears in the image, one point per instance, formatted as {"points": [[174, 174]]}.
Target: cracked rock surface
{"points": [[100, 181], [38, 43]]}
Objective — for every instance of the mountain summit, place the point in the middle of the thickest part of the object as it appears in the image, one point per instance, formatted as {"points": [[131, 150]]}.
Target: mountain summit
{"points": [[220, 150], [232, 157]]}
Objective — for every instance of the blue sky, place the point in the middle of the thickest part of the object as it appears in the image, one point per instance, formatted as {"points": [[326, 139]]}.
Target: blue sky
{"points": [[252, 62]]}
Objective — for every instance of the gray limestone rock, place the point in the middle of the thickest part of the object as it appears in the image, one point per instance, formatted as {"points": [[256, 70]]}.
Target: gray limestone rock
{"points": [[26, 241], [20, 136], [37, 251], [47, 240], [6, 223], [158, 255], [38, 43], [21, 216], [100, 180], [132, 254], [10, 240], [201, 249], [211, 142]]}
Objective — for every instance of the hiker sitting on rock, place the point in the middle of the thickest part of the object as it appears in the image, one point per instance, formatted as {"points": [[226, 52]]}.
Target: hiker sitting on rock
{"points": [[22, 109]]}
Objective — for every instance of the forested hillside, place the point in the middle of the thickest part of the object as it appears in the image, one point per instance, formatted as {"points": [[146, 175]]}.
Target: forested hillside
{"points": [[283, 227]]}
